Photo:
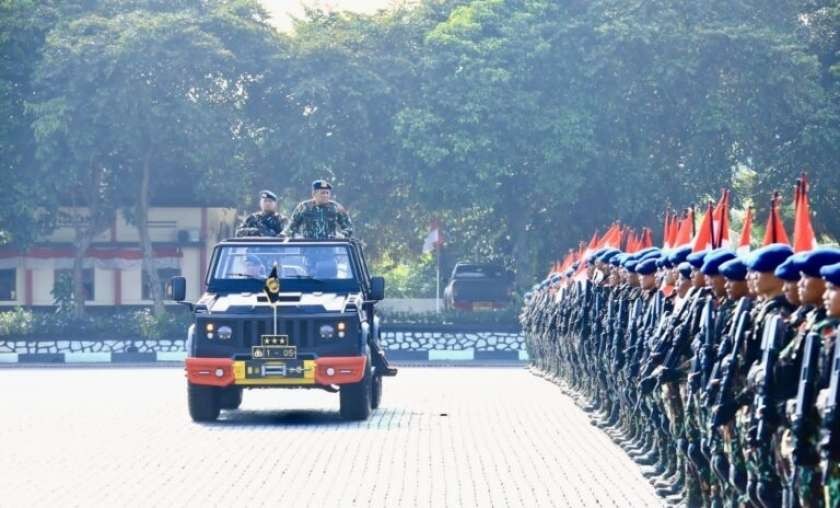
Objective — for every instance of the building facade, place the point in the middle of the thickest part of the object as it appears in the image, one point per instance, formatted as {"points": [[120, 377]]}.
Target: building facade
{"points": [[182, 240]]}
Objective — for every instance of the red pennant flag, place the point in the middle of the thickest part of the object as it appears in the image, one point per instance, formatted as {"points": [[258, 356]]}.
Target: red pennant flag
{"points": [[612, 238], [705, 235], [666, 231], [721, 221], [775, 231], [803, 232], [593, 245], [647, 239], [746, 233], [674, 232], [685, 230]]}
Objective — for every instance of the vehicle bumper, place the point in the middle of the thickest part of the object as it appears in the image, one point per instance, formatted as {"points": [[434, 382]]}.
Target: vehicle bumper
{"points": [[324, 371]]}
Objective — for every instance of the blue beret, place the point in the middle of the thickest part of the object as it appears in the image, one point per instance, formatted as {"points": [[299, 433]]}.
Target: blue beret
{"points": [[608, 254], [618, 259], [630, 265], [644, 252], [789, 270], [664, 262], [810, 262], [595, 255], [321, 185], [268, 195], [685, 269], [734, 269], [767, 258], [696, 259], [646, 267], [654, 254], [713, 260], [679, 255], [831, 273]]}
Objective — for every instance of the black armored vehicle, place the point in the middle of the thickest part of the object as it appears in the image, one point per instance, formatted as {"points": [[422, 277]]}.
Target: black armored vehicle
{"points": [[281, 313]]}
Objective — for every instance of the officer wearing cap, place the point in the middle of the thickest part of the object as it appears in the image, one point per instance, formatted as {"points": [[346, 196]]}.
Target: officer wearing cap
{"points": [[320, 218], [266, 222]]}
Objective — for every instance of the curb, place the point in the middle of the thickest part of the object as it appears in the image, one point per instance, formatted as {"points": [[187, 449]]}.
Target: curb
{"points": [[433, 356]]}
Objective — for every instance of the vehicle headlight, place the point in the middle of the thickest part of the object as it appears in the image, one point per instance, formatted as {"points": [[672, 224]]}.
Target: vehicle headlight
{"points": [[327, 331], [225, 332]]}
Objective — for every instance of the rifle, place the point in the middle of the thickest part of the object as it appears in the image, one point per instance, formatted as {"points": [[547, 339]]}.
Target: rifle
{"points": [[725, 348], [830, 437], [764, 415], [802, 456], [724, 408], [704, 351]]}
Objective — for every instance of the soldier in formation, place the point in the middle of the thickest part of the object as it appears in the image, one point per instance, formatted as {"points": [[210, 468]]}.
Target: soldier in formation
{"points": [[717, 373]]}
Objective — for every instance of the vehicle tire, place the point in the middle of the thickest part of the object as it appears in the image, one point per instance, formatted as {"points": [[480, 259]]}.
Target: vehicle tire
{"points": [[203, 402], [355, 399], [376, 392], [230, 397]]}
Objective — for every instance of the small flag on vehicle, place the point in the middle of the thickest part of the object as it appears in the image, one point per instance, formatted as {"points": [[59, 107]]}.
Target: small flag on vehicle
{"points": [[272, 285]]}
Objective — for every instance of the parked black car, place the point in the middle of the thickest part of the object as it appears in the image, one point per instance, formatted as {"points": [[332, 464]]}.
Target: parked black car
{"points": [[478, 286]]}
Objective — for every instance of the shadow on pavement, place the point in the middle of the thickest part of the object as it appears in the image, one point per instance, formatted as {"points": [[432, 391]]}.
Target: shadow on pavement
{"points": [[282, 418]]}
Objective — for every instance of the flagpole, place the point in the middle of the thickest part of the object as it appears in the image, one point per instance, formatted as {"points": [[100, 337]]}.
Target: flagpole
{"points": [[437, 280]]}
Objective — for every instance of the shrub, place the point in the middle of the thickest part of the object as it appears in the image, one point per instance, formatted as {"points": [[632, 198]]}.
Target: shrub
{"points": [[16, 322]]}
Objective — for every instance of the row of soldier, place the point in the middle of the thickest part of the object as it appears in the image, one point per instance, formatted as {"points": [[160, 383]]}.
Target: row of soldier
{"points": [[715, 372]]}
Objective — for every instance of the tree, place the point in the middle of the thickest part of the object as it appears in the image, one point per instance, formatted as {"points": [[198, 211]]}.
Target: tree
{"points": [[160, 91]]}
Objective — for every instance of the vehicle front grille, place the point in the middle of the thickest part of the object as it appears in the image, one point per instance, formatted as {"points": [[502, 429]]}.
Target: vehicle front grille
{"points": [[301, 332]]}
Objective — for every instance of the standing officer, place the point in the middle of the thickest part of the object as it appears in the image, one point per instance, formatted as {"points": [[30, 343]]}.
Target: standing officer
{"points": [[320, 218], [266, 222]]}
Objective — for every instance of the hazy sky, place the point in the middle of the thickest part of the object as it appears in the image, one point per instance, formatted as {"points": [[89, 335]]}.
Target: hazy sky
{"points": [[281, 9]]}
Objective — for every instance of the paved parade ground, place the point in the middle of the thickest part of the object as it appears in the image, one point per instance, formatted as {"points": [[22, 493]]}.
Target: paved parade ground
{"points": [[443, 437]]}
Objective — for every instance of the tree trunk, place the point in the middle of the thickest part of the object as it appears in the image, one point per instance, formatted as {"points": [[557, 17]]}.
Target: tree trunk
{"points": [[142, 212], [86, 229], [84, 237]]}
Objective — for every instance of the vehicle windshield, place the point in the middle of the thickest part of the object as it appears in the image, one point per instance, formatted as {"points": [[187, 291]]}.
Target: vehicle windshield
{"points": [[478, 271], [299, 267]]}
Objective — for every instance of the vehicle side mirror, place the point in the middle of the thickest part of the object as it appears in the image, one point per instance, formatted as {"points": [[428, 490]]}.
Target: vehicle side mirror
{"points": [[377, 288], [177, 290]]}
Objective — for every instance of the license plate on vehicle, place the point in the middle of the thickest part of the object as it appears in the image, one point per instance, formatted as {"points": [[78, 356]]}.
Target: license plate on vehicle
{"points": [[483, 306], [260, 369], [274, 352]]}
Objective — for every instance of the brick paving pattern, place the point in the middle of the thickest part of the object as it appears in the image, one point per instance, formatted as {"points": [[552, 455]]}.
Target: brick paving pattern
{"points": [[444, 437]]}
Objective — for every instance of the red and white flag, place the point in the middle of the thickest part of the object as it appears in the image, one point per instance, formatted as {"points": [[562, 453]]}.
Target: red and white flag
{"points": [[434, 239]]}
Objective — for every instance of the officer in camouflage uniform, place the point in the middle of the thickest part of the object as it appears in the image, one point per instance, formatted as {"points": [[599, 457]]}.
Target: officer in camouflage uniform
{"points": [[827, 403], [320, 218], [266, 222]]}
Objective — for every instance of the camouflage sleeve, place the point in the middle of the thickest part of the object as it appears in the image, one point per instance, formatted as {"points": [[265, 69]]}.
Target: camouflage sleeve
{"points": [[295, 221], [345, 227], [248, 227]]}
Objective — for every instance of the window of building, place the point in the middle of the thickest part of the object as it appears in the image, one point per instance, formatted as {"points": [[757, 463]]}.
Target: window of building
{"points": [[164, 274], [66, 276], [8, 284]]}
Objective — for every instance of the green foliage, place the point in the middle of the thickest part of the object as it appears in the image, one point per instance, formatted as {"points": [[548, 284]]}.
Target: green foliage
{"points": [[103, 324], [17, 322], [166, 326], [413, 278], [521, 125], [62, 293]]}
